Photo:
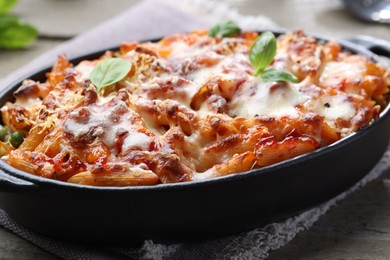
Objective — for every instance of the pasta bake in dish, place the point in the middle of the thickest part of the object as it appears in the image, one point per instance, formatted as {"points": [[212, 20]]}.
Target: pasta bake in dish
{"points": [[189, 107]]}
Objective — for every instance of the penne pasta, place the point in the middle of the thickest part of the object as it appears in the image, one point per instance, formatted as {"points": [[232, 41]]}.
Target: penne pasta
{"points": [[189, 107], [134, 177]]}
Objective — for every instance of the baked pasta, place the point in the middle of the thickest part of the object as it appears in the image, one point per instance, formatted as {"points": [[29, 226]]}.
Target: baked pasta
{"points": [[190, 108]]}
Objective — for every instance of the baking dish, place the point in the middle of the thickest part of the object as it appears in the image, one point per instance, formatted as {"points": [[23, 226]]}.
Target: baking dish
{"points": [[193, 210]]}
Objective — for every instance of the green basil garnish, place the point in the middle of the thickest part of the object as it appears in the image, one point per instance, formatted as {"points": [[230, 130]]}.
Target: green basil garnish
{"points": [[8, 21], [261, 54], [14, 33], [278, 75], [7, 5], [109, 71], [224, 29], [17, 36]]}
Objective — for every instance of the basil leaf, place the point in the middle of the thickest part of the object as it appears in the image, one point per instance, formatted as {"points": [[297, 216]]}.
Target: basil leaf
{"points": [[262, 52], [224, 29], [278, 75], [8, 21], [109, 71], [17, 36], [7, 5]]}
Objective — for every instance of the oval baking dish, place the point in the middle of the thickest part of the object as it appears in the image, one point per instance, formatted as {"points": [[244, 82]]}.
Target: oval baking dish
{"points": [[191, 210]]}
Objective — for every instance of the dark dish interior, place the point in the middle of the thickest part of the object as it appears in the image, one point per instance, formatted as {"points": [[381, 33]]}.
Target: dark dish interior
{"points": [[194, 210]]}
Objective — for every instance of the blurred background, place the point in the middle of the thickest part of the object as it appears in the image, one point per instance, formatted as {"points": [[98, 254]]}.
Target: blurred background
{"points": [[71, 17]]}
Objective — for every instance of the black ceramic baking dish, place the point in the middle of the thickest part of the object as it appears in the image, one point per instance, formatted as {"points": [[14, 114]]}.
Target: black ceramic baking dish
{"points": [[193, 210]]}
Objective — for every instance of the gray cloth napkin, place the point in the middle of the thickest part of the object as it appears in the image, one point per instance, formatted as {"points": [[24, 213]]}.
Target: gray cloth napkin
{"points": [[149, 19]]}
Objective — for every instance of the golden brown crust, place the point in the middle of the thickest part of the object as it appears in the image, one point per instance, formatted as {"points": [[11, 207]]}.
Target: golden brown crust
{"points": [[189, 109]]}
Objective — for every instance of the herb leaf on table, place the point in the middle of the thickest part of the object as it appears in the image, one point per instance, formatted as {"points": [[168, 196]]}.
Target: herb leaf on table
{"points": [[14, 32]]}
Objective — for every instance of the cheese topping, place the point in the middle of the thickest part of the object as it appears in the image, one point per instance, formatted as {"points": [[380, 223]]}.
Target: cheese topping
{"points": [[113, 126], [270, 99], [85, 68], [334, 73], [334, 107], [191, 108], [136, 140]]}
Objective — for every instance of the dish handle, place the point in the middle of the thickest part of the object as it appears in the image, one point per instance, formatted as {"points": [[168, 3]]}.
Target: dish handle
{"points": [[378, 46], [10, 183]]}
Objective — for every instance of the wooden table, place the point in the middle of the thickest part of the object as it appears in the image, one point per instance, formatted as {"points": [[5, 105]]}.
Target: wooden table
{"points": [[358, 228]]}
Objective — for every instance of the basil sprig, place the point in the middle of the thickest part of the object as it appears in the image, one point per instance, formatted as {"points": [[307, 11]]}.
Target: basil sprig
{"points": [[14, 33], [17, 35], [261, 54], [109, 71], [7, 5], [224, 29], [278, 75]]}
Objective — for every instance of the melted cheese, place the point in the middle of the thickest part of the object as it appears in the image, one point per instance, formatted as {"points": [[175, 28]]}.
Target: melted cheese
{"points": [[84, 69], [100, 123], [335, 73], [188, 110], [333, 107], [78, 129], [28, 102], [202, 75], [136, 140], [262, 98], [255, 97]]}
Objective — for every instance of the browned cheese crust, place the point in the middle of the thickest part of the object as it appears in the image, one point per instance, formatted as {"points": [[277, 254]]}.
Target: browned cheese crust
{"points": [[190, 109]]}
